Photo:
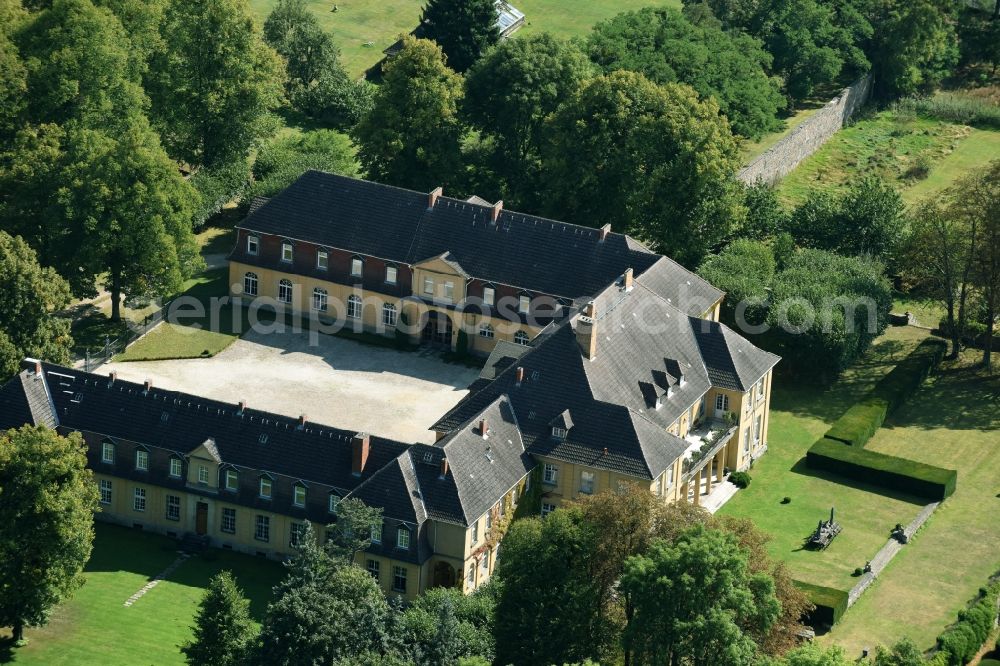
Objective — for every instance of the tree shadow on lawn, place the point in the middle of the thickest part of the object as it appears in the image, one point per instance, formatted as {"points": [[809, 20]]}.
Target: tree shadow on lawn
{"points": [[803, 469], [255, 576]]}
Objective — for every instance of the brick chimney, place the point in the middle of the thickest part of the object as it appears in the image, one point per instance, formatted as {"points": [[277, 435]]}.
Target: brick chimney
{"points": [[627, 280], [605, 230], [38, 368], [433, 195], [497, 208], [519, 375], [149, 386], [484, 428], [586, 331], [112, 377], [302, 421], [359, 450], [444, 468], [243, 406]]}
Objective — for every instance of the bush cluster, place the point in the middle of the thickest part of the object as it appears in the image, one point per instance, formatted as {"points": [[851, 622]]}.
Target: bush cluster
{"points": [[740, 479], [860, 422], [961, 641]]}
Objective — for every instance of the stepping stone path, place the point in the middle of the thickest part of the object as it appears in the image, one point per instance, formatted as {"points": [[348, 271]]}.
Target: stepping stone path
{"points": [[160, 576]]}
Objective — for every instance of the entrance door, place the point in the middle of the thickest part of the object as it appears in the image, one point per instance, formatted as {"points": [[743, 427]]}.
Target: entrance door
{"points": [[437, 331], [201, 519], [721, 405]]}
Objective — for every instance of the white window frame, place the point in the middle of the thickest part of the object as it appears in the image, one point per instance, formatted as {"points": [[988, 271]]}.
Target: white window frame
{"points": [[448, 290], [522, 338], [559, 433], [265, 482], [202, 474], [235, 476], [253, 245], [176, 467], [429, 286], [474, 535], [173, 502], [295, 533], [262, 528], [106, 489], [299, 492], [142, 460], [333, 503], [138, 499], [760, 389], [722, 402], [374, 569], [285, 290], [523, 303], [228, 519], [389, 314], [391, 274], [287, 252], [486, 331], [547, 508], [758, 424], [489, 294], [550, 474], [746, 440], [322, 260], [107, 447], [376, 533], [670, 476], [471, 576], [399, 573], [250, 283], [402, 538], [587, 482], [354, 306], [319, 299], [357, 266]]}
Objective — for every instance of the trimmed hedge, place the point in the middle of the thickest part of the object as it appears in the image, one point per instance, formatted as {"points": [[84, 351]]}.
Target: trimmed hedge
{"points": [[900, 474], [961, 641], [860, 422], [831, 603], [901, 382]]}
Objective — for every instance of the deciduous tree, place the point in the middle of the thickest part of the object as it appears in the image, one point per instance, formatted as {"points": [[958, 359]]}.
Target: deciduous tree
{"points": [[614, 148], [47, 503], [411, 137], [464, 29], [351, 533], [224, 631], [215, 83]]}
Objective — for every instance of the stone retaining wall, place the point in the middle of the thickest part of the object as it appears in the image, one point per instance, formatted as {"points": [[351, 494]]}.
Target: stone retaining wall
{"points": [[806, 139]]}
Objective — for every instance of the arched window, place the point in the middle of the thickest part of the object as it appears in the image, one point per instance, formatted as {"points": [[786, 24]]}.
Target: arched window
{"points": [[250, 284], [521, 338], [319, 299], [357, 266], [486, 331], [354, 306], [285, 291], [389, 315]]}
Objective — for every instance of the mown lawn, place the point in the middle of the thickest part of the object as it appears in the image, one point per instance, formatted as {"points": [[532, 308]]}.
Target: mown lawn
{"points": [[953, 421], [799, 415], [917, 154], [94, 626]]}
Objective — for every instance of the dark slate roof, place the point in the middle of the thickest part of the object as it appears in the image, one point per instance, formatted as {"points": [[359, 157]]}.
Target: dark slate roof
{"points": [[504, 354], [394, 488], [256, 203], [647, 353], [25, 400], [680, 287], [521, 250], [732, 362], [480, 470]]}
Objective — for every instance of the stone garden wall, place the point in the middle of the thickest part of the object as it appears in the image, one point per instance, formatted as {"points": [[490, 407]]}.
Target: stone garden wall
{"points": [[805, 139]]}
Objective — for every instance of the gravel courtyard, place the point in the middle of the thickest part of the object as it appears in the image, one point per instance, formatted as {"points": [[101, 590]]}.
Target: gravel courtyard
{"points": [[337, 382]]}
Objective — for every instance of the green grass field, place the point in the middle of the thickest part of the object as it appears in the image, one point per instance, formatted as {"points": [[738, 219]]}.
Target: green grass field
{"points": [[94, 626], [800, 415], [363, 28], [897, 147]]}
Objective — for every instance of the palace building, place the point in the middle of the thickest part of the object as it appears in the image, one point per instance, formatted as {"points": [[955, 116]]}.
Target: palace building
{"points": [[608, 367]]}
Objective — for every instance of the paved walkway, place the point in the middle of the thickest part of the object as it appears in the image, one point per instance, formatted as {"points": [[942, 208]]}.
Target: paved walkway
{"points": [[153, 583], [721, 493]]}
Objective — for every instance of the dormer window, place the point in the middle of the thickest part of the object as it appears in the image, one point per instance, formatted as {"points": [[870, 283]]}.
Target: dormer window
{"points": [[558, 433], [334, 502], [142, 460], [232, 480], [202, 475], [176, 467], [391, 273], [286, 251], [376, 533], [265, 487], [322, 259], [489, 295], [357, 266], [253, 245], [523, 303], [108, 453], [403, 538], [299, 495]]}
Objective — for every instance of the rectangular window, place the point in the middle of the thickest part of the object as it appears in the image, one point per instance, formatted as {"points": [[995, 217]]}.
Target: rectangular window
{"points": [[485, 562], [173, 507], [285, 291], [286, 252], [334, 501], [756, 429], [403, 538], [299, 495], [523, 303], [376, 534], [202, 474], [658, 486], [253, 245], [429, 286], [373, 568], [550, 474], [722, 403], [547, 509], [139, 499], [229, 521], [399, 579], [391, 273], [354, 307], [142, 460], [449, 291], [319, 300], [232, 480], [322, 260], [746, 441], [262, 531], [475, 532], [105, 486], [760, 389], [295, 534], [587, 482], [388, 314], [108, 453], [265, 487], [670, 476], [489, 295], [176, 468], [357, 266]]}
